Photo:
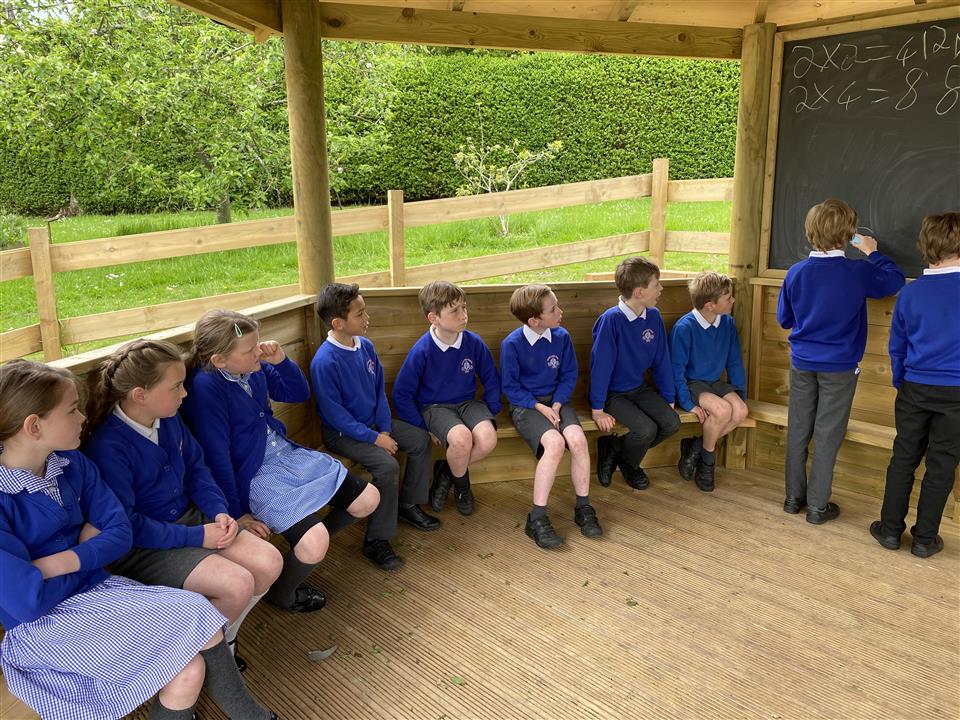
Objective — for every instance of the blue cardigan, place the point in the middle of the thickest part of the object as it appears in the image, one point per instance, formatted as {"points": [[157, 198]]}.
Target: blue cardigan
{"points": [[155, 483], [548, 367], [231, 426], [33, 525]]}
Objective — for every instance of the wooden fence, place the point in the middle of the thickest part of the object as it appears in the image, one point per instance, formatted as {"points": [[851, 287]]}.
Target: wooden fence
{"points": [[43, 260]]}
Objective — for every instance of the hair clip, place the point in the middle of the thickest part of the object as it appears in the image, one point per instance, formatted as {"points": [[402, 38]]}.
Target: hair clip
{"points": [[237, 330]]}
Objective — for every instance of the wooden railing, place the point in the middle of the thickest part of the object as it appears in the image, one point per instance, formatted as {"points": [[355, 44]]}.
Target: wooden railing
{"points": [[43, 260]]}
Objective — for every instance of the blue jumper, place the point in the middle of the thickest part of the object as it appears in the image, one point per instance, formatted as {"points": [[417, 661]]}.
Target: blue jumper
{"points": [[925, 331], [703, 354], [548, 367]]}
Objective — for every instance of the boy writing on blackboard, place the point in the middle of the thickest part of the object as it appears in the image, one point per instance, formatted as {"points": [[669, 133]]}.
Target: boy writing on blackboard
{"points": [[823, 303], [925, 363]]}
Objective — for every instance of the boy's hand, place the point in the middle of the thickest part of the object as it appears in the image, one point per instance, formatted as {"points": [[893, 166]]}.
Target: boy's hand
{"points": [[230, 529], [604, 421], [549, 413], [386, 442], [867, 244], [249, 523], [272, 352], [700, 413], [213, 534], [87, 532], [434, 439]]}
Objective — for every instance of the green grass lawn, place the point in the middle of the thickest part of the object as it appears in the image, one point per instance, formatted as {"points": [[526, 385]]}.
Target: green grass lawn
{"points": [[83, 292]]}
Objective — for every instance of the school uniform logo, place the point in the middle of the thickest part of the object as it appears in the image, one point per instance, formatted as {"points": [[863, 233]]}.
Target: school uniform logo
{"points": [[648, 335], [371, 367], [466, 366], [553, 362]]}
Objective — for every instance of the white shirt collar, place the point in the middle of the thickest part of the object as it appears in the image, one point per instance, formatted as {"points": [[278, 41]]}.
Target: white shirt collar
{"points": [[151, 433], [442, 345], [827, 254], [531, 335], [703, 321], [631, 315], [331, 339], [942, 271]]}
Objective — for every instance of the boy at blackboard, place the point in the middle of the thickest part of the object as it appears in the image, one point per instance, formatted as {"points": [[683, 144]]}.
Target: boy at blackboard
{"points": [[925, 363], [823, 303]]}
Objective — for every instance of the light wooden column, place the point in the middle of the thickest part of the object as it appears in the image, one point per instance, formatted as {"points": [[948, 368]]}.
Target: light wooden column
{"points": [[303, 68], [658, 210], [39, 238]]}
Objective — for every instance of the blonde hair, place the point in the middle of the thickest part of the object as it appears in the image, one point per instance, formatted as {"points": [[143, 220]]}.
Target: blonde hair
{"points": [[216, 333], [708, 286], [435, 296], [830, 225], [527, 301], [939, 237], [29, 388], [139, 363], [633, 273]]}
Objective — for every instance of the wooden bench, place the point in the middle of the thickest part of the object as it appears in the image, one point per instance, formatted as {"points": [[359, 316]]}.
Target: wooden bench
{"points": [[858, 431]]}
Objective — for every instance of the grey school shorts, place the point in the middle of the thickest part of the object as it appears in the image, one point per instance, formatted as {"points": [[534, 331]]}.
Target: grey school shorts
{"points": [[531, 424], [442, 418], [718, 388], [170, 567]]}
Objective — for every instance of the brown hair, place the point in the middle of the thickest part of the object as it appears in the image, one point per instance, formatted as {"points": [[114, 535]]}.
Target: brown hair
{"points": [[435, 296], [139, 363], [939, 237], [830, 225], [216, 332], [527, 301], [28, 388], [633, 273], [708, 286], [333, 301]]}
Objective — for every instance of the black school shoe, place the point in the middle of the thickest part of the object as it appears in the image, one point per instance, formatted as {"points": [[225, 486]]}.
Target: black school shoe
{"points": [[925, 550], [890, 542], [238, 661], [464, 500], [542, 533], [706, 476], [381, 554], [822, 515], [608, 453], [635, 477], [586, 518], [309, 599], [440, 488], [793, 505], [415, 516], [689, 454]]}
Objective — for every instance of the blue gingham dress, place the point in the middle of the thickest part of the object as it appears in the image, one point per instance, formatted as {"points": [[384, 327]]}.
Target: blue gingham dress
{"points": [[293, 481]]}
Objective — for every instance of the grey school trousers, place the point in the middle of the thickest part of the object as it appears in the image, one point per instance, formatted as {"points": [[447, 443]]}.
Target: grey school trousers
{"points": [[385, 471], [819, 407]]}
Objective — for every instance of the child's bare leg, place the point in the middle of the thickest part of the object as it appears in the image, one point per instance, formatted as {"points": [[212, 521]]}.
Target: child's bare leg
{"points": [[484, 441], [719, 413], [313, 546], [579, 459], [183, 690], [459, 448], [365, 503], [738, 411], [225, 584], [553, 445], [261, 558]]}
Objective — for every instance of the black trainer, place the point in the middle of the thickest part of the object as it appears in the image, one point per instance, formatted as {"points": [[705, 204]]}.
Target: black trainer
{"points": [[381, 554], [309, 599], [586, 518], [890, 542], [689, 454], [608, 452], [414, 515], [440, 488], [464, 501], [925, 550], [542, 533], [634, 477], [705, 477], [818, 516], [793, 505]]}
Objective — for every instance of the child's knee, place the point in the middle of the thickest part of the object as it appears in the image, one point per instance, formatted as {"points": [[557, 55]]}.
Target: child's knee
{"points": [[266, 564], [723, 412], [576, 441], [553, 444], [484, 437], [460, 439], [366, 502], [189, 681], [239, 583], [740, 411], [314, 544]]}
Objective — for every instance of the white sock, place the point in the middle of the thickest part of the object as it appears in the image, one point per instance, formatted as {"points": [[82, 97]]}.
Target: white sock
{"points": [[230, 634]]}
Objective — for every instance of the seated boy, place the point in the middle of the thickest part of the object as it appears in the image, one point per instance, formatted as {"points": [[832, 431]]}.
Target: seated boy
{"points": [[348, 386], [704, 343], [823, 303], [627, 339], [538, 375], [925, 362], [436, 390]]}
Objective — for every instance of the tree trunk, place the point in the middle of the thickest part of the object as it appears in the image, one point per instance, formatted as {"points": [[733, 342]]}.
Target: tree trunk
{"points": [[223, 210]]}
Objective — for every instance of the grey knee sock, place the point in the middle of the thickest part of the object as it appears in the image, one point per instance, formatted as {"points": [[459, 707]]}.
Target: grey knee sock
{"points": [[337, 520], [283, 592], [225, 686], [159, 712]]}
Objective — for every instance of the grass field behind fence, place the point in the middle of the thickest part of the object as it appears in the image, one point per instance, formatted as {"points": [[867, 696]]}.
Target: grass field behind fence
{"points": [[84, 292]]}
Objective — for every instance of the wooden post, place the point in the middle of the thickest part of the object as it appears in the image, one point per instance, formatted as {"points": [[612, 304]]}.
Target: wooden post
{"points": [[39, 238], [658, 210], [398, 270], [303, 69]]}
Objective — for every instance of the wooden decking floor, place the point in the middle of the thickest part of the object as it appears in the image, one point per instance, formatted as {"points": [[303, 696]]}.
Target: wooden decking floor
{"points": [[691, 606]]}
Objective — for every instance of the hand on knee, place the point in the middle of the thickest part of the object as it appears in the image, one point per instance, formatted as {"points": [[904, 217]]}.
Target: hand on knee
{"points": [[313, 546]]}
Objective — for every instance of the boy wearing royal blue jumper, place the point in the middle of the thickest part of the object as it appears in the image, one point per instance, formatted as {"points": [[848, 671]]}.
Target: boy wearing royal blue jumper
{"points": [[823, 303], [925, 361], [704, 343], [627, 339], [348, 384], [436, 390], [539, 372]]}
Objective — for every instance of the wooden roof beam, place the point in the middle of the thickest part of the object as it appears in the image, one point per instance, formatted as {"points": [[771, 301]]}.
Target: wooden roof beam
{"points": [[260, 18], [622, 10], [516, 32]]}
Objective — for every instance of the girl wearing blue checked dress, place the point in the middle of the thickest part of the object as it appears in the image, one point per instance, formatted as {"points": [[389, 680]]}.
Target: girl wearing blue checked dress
{"points": [[271, 484], [81, 644]]}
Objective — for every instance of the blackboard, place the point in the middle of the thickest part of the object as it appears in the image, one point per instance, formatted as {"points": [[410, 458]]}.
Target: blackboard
{"points": [[873, 118]]}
